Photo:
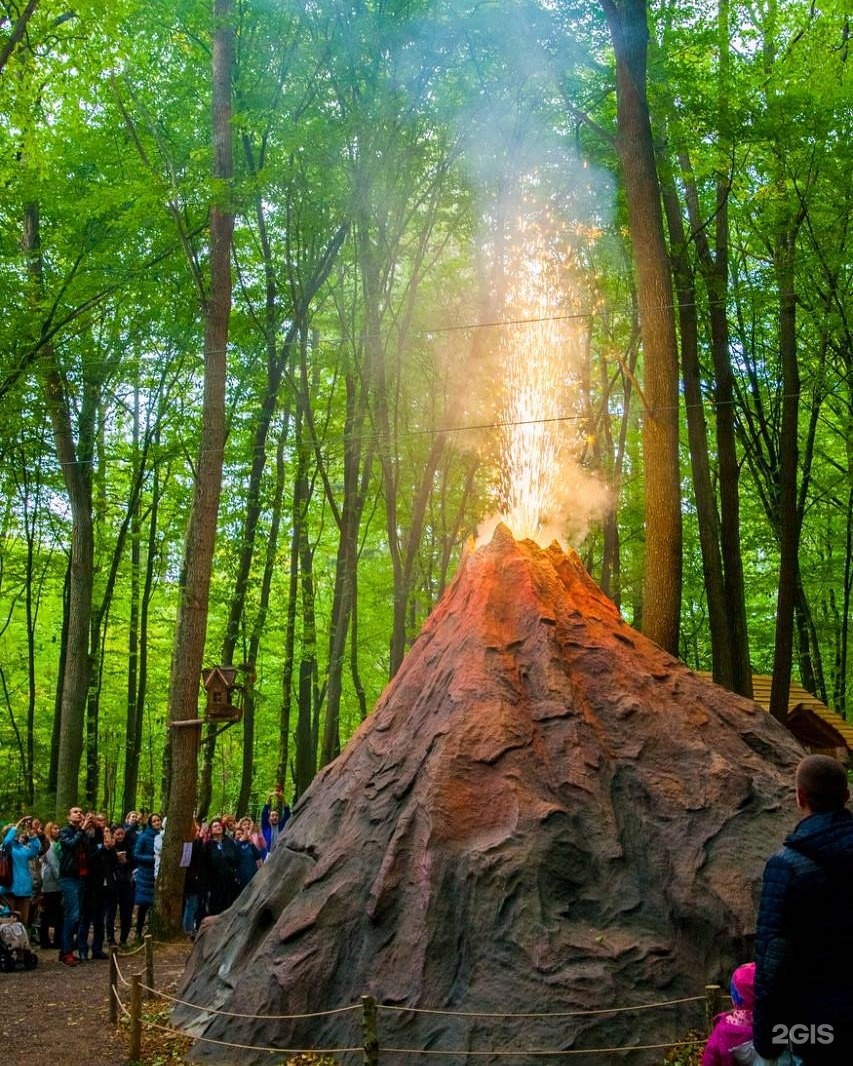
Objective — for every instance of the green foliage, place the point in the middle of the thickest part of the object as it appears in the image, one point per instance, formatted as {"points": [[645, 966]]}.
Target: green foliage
{"points": [[687, 1054], [409, 130]]}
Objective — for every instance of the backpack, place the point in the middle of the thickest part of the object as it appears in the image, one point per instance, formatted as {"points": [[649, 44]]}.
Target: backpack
{"points": [[5, 865]]}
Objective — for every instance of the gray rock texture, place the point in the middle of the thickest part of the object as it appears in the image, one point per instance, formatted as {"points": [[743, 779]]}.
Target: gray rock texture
{"points": [[546, 813]]}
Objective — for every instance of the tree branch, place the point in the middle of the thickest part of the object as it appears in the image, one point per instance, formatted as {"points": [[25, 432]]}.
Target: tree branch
{"points": [[17, 34]]}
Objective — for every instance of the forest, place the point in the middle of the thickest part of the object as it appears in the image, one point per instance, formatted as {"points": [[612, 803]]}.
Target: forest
{"points": [[273, 275]]}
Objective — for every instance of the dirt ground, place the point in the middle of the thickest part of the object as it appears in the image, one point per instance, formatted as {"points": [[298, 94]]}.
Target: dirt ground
{"points": [[59, 1016]]}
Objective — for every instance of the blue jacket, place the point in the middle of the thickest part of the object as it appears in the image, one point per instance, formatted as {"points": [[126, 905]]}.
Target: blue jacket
{"points": [[804, 935], [143, 859], [22, 879], [250, 856]]}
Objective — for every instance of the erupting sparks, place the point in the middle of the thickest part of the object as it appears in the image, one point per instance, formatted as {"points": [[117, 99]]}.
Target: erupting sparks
{"points": [[540, 429]]}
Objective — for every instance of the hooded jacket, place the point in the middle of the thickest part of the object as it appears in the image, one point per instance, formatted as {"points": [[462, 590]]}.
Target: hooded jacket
{"points": [[804, 935], [22, 854]]}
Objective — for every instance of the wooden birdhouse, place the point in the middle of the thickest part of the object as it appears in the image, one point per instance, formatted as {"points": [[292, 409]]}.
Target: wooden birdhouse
{"points": [[224, 694]]}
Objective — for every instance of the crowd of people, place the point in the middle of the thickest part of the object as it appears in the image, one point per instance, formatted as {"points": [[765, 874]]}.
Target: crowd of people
{"points": [[87, 884]]}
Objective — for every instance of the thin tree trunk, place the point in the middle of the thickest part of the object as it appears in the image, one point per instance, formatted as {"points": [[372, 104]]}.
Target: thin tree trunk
{"points": [[201, 534], [358, 685], [270, 561], [75, 462], [289, 644], [611, 560], [733, 668], [132, 727], [56, 729], [346, 563], [306, 762], [277, 359], [627, 20], [847, 594], [788, 509], [697, 433], [100, 619], [32, 599]]}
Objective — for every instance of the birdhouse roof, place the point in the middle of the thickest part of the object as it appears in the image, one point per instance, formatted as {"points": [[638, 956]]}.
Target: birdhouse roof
{"points": [[219, 675]]}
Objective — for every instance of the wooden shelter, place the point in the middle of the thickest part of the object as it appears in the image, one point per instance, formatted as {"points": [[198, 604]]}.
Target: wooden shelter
{"points": [[818, 728]]}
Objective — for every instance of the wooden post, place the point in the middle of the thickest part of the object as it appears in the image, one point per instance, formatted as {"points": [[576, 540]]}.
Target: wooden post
{"points": [[369, 1031], [135, 1017], [713, 1004], [149, 964], [112, 983]]}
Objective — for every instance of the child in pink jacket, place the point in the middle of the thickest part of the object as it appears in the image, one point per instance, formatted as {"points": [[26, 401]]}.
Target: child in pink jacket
{"points": [[735, 1026]]}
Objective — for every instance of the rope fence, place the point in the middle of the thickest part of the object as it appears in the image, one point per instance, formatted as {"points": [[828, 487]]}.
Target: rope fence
{"points": [[369, 1011]]}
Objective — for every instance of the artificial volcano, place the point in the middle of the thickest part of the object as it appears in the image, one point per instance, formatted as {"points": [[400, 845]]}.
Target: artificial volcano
{"points": [[545, 813]]}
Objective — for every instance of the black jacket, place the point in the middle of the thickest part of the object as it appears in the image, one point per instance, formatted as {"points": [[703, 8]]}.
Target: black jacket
{"points": [[73, 852], [804, 936], [222, 862]]}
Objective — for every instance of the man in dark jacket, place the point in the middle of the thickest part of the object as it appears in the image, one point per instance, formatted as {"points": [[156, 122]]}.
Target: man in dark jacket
{"points": [[73, 869], [804, 937]]}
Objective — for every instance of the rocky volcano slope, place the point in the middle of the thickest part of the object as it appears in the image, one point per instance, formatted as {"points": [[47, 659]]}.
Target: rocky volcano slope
{"points": [[545, 813]]}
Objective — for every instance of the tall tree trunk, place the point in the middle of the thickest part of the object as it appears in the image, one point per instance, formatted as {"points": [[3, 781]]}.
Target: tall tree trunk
{"points": [[349, 522], [277, 360], [289, 650], [697, 434], [716, 272], [788, 509], [840, 688], [611, 561], [56, 729], [306, 735], [132, 726], [627, 20], [75, 462], [134, 754], [32, 598], [100, 620], [731, 660], [201, 533], [270, 561]]}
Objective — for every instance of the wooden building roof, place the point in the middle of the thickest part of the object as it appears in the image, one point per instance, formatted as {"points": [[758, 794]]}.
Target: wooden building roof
{"points": [[800, 699]]}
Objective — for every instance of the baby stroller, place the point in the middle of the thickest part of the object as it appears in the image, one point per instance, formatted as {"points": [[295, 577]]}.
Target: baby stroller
{"points": [[15, 951]]}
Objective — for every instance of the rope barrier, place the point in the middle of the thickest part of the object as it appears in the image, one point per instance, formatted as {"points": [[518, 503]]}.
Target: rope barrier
{"points": [[542, 1054], [120, 975], [121, 1006], [133, 951], [566, 1014], [413, 1010], [501, 1053], [252, 1017], [253, 1047]]}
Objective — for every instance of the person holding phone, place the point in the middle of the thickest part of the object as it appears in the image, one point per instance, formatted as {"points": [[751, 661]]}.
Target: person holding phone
{"points": [[24, 848]]}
